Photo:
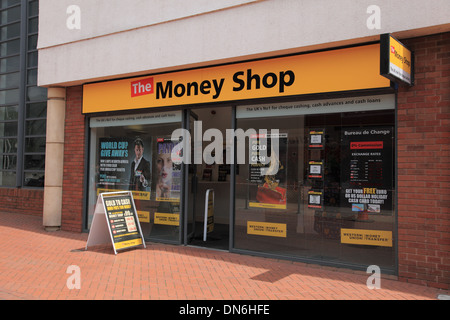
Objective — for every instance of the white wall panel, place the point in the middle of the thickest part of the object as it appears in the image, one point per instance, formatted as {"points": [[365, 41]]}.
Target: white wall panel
{"points": [[126, 38]]}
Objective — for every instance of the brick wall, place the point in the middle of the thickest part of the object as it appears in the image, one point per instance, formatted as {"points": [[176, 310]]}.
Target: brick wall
{"points": [[72, 205], [424, 166], [24, 201]]}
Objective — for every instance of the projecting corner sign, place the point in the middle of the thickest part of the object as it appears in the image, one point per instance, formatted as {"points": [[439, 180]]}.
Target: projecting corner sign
{"points": [[396, 60]]}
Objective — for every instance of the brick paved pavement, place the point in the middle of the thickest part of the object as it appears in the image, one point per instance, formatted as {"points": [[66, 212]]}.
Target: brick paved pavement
{"points": [[34, 263]]}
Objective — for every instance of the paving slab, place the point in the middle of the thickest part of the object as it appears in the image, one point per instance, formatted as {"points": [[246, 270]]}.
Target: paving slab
{"points": [[39, 265]]}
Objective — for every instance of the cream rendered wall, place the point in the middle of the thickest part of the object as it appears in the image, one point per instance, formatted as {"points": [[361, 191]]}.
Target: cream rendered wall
{"points": [[125, 38]]}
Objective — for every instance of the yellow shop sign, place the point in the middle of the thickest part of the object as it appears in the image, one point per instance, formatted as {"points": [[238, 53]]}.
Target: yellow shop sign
{"points": [[345, 69]]}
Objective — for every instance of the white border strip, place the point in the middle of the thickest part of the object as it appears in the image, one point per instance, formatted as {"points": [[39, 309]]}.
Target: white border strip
{"points": [[351, 104], [136, 119]]}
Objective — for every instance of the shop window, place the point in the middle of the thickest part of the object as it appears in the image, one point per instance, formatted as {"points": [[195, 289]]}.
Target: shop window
{"points": [[332, 197], [133, 152]]}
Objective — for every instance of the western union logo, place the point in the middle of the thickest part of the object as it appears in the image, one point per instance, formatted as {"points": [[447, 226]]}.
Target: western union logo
{"points": [[170, 219], [367, 237], [266, 229]]}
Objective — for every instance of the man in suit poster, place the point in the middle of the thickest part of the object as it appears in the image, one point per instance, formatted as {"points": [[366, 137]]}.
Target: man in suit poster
{"points": [[140, 168]]}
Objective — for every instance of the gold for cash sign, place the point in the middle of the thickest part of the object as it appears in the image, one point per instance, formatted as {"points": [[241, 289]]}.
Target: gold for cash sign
{"points": [[116, 220]]}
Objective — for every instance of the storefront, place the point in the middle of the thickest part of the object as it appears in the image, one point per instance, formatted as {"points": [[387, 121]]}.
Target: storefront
{"points": [[332, 117]]}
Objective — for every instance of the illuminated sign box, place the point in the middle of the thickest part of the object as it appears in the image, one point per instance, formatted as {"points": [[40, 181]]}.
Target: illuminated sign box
{"points": [[396, 60], [348, 69]]}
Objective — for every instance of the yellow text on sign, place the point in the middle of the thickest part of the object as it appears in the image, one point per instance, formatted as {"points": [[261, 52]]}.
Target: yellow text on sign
{"points": [[345, 69], [400, 56], [367, 237], [266, 205], [170, 219], [128, 243], [144, 216], [210, 212], [266, 229], [137, 195]]}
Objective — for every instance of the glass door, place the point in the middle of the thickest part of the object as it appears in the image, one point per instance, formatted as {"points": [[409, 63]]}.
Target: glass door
{"points": [[190, 183], [209, 178]]}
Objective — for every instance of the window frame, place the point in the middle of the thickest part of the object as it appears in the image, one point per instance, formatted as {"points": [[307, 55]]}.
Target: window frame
{"points": [[24, 100]]}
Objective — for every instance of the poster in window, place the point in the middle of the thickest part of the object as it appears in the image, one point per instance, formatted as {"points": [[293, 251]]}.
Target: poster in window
{"points": [[124, 164], [168, 173], [315, 199], [316, 139], [140, 175], [315, 169], [367, 169], [268, 190]]}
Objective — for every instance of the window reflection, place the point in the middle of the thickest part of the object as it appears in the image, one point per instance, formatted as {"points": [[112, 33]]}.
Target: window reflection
{"points": [[128, 157], [304, 213]]}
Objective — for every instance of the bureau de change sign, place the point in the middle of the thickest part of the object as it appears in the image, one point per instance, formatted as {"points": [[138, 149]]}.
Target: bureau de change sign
{"points": [[115, 219]]}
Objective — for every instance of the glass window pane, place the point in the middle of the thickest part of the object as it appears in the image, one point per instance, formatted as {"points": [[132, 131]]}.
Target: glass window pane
{"points": [[33, 25], [7, 179], [35, 127], [36, 94], [8, 145], [32, 77], [9, 80], [320, 187], [10, 31], [10, 64], [33, 8], [8, 3], [8, 162], [32, 42], [10, 15], [10, 47], [9, 96], [35, 145], [8, 129], [9, 113], [34, 179], [34, 162], [37, 110], [32, 59], [118, 172]]}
